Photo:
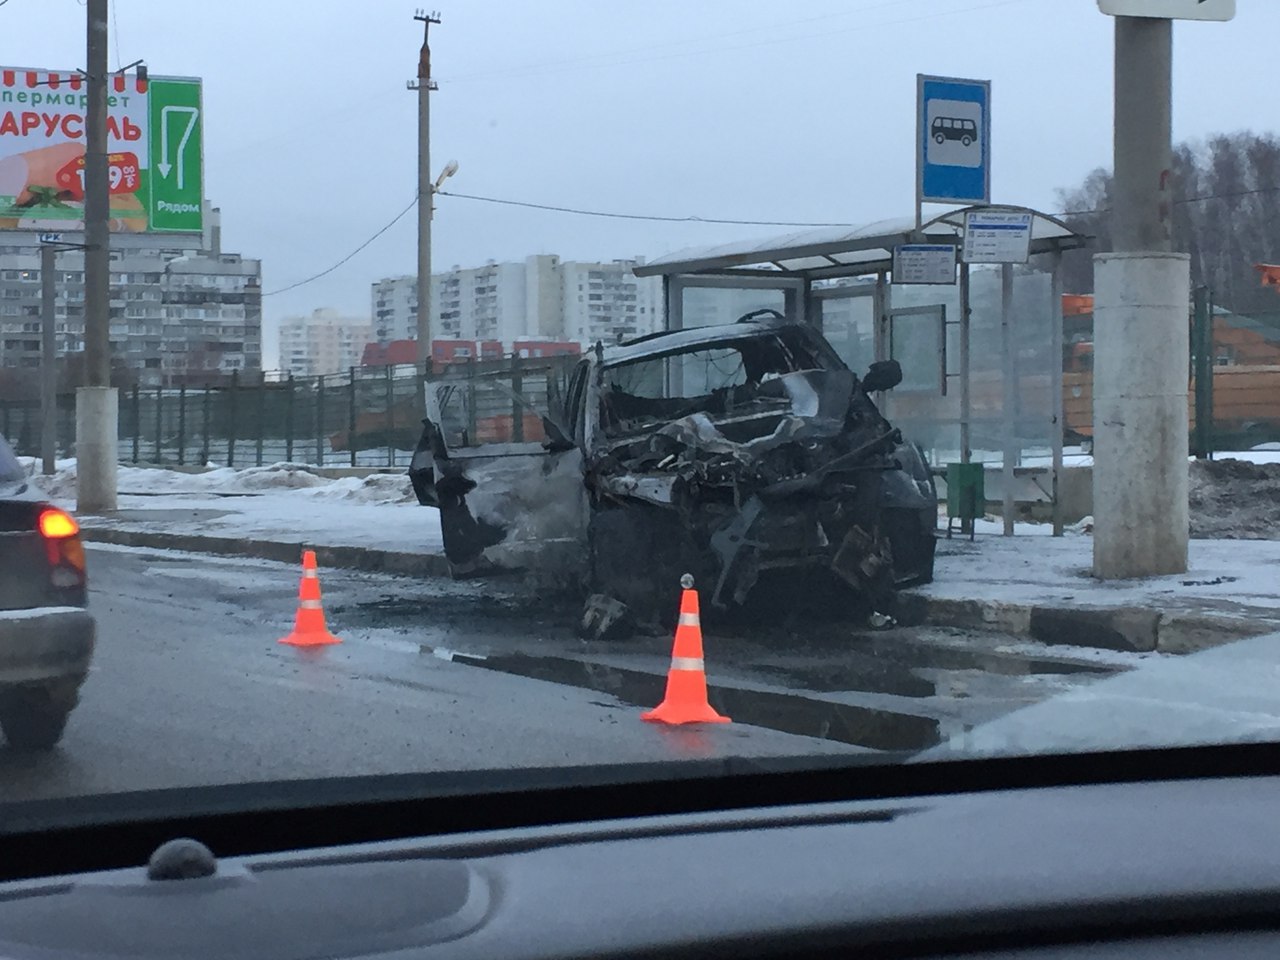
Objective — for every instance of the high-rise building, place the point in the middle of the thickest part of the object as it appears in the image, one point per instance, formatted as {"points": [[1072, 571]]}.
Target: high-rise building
{"points": [[181, 311], [395, 309], [607, 302], [541, 297], [325, 341]]}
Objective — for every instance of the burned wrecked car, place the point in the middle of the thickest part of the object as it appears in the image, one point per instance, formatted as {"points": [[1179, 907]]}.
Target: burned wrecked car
{"points": [[742, 453]]}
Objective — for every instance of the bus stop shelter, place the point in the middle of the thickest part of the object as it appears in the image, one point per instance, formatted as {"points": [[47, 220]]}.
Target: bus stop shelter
{"points": [[981, 356]]}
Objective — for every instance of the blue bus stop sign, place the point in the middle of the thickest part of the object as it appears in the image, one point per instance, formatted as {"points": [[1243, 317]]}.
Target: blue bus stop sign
{"points": [[953, 140]]}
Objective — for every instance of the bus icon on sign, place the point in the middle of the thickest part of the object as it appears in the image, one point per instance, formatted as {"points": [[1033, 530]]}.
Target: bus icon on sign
{"points": [[953, 128], [953, 133]]}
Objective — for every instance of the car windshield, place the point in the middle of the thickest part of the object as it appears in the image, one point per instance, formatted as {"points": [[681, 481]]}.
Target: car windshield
{"points": [[564, 410], [722, 379]]}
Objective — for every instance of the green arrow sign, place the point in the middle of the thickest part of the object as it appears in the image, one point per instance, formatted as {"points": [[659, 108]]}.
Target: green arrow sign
{"points": [[175, 151]]}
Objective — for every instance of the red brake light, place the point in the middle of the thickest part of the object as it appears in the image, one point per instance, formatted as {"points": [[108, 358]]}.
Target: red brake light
{"points": [[57, 524]]}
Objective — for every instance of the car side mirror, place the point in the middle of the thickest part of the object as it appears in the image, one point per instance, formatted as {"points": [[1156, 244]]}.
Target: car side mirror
{"points": [[882, 375], [556, 440]]}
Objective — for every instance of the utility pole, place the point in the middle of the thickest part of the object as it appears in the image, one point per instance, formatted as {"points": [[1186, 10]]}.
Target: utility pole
{"points": [[48, 360], [1141, 339], [96, 406], [426, 189], [1141, 293]]}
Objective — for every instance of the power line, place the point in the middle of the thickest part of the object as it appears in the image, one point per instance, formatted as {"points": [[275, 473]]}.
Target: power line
{"points": [[115, 32], [1199, 199], [324, 273], [577, 211], [638, 216]]}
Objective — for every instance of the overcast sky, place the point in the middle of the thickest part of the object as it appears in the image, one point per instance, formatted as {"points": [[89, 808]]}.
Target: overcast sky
{"points": [[801, 110]]}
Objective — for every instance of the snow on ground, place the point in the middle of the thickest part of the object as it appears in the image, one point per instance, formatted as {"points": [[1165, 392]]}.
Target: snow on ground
{"points": [[1227, 694], [284, 502], [1078, 457], [1230, 577], [146, 481], [290, 516]]}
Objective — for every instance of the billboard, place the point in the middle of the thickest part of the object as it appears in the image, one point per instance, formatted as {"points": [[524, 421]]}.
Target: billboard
{"points": [[154, 142]]}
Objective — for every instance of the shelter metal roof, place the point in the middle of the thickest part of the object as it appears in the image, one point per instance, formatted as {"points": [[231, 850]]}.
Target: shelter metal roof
{"points": [[832, 252]]}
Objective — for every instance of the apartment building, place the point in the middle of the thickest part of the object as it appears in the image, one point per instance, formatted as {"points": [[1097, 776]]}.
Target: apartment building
{"points": [[324, 341], [608, 303], [539, 298], [394, 309], [178, 314]]}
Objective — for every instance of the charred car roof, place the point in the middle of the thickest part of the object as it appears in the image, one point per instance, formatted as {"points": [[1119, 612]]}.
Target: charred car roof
{"points": [[675, 341]]}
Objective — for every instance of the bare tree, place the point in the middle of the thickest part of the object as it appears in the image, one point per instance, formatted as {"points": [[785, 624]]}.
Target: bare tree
{"points": [[1226, 215]]}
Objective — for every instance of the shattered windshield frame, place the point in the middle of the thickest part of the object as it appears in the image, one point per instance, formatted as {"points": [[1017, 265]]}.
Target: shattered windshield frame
{"points": [[742, 375]]}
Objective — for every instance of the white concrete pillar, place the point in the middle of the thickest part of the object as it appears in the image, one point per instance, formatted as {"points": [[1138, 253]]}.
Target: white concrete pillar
{"points": [[1140, 356], [97, 415]]}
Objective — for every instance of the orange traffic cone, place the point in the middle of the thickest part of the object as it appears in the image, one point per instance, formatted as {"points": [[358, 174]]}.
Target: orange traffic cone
{"points": [[309, 628], [686, 699]]}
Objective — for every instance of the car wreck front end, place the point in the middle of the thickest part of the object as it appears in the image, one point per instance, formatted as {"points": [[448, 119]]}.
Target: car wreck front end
{"points": [[748, 456]]}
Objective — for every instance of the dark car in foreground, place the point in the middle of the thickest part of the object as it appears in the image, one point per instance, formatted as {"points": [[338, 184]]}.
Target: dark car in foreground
{"points": [[747, 454], [46, 634]]}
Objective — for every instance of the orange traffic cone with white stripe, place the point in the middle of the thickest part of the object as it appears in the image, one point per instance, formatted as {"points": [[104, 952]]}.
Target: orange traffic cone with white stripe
{"points": [[686, 699], [309, 629]]}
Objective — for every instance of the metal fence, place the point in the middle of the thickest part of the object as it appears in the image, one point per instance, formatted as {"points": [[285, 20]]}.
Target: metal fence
{"points": [[1233, 392], [368, 416], [499, 402]]}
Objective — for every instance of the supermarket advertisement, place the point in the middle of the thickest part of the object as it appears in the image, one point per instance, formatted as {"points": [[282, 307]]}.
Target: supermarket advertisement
{"points": [[154, 143]]}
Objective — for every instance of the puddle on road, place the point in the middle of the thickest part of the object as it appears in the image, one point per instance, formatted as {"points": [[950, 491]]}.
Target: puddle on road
{"points": [[854, 672], [468, 611], [892, 668], [788, 713]]}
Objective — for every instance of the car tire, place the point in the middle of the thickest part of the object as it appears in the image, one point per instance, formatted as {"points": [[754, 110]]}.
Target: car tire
{"points": [[966, 140], [939, 139], [34, 729], [912, 545]]}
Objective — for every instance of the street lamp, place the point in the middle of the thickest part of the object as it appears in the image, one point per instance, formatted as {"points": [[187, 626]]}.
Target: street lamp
{"points": [[449, 170]]}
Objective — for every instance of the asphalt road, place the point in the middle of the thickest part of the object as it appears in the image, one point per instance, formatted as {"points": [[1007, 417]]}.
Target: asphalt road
{"points": [[190, 687]]}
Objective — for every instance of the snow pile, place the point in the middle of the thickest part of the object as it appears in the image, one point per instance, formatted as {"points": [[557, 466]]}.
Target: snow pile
{"points": [[278, 476], [1235, 499], [281, 477], [376, 488], [60, 486], [1082, 527]]}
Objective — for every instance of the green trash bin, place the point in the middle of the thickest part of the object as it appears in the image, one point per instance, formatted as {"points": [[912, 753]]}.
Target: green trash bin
{"points": [[966, 495]]}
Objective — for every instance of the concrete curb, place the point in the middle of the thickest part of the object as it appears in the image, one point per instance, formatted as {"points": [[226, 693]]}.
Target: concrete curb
{"points": [[1132, 629], [329, 473], [349, 558]]}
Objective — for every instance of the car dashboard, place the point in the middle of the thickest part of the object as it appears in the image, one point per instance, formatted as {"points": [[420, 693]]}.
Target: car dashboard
{"points": [[1184, 867]]}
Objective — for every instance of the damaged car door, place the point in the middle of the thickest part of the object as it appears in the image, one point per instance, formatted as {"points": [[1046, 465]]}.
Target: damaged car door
{"points": [[508, 484]]}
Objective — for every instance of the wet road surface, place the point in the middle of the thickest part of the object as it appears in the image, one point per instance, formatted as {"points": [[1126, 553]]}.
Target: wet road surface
{"points": [[189, 686]]}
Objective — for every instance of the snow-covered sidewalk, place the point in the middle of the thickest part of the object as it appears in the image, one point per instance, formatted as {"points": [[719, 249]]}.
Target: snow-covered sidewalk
{"points": [[282, 502], [1238, 578]]}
